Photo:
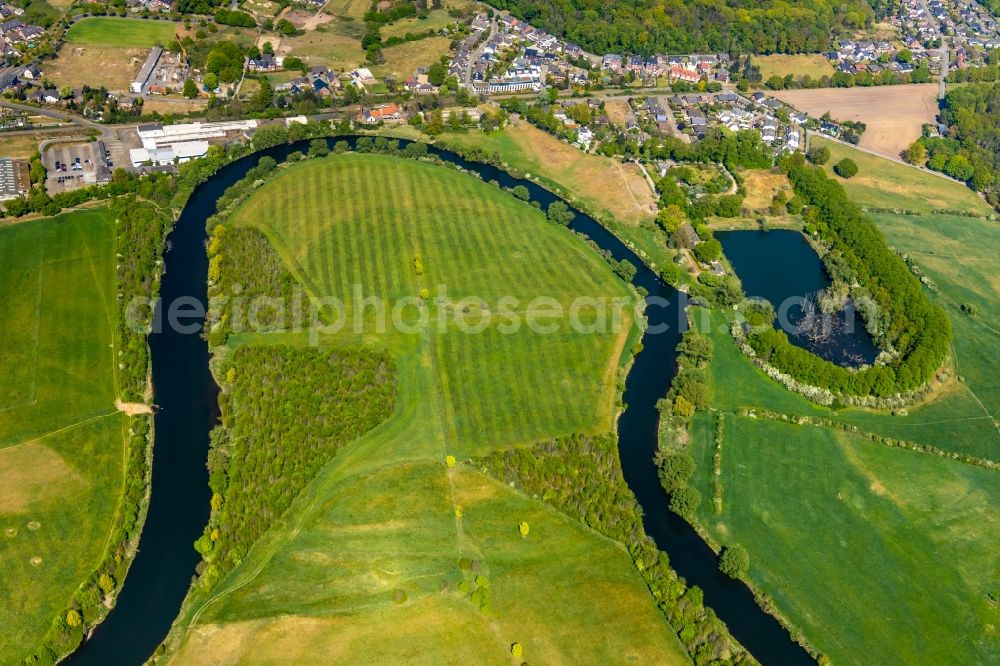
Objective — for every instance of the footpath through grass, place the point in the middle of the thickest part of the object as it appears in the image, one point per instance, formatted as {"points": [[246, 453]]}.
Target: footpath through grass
{"points": [[61, 439], [108, 31], [369, 558]]}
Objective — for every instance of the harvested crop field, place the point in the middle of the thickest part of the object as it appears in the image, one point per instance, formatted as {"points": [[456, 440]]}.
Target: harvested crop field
{"points": [[894, 114]]}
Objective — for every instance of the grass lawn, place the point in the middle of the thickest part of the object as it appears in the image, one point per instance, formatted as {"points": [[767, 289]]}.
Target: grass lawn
{"points": [[436, 19], [879, 555], [403, 60], [814, 65], [366, 559], [60, 436], [329, 46], [883, 183], [107, 31]]}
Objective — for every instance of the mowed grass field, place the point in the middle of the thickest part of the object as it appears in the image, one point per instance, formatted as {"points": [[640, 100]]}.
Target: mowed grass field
{"points": [[365, 564], [107, 31], [61, 438], [879, 555], [882, 183]]}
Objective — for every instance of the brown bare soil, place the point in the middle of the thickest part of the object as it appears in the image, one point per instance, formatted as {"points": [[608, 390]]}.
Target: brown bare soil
{"points": [[894, 114]]}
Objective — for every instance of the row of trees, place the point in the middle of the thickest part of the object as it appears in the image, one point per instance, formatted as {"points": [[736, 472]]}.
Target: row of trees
{"points": [[679, 26], [581, 476], [897, 311], [970, 149]]}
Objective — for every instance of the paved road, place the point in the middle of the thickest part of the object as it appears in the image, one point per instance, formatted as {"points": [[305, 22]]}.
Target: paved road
{"points": [[944, 48], [107, 132], [475, 55]]}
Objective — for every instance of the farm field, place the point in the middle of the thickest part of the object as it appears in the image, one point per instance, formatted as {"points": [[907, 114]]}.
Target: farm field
{"points": [[366, 560], [882, 183], [132, 33], [842, 531], [113, 67], [61, 438], [404, 59], [894, 114], [835, 522], [777, 64]]}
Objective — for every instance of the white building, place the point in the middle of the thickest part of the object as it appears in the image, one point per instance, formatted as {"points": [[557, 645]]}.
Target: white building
{"points": [[174, 144]]}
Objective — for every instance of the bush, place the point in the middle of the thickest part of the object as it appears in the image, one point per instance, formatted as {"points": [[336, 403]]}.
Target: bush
{"points": [[845, 168]]}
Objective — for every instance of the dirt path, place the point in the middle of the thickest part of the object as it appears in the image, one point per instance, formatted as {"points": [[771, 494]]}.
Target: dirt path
{"points": [[133, 408]]}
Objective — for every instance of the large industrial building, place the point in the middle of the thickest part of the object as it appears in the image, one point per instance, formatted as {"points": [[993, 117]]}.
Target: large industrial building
{"points": [[164, 145]]}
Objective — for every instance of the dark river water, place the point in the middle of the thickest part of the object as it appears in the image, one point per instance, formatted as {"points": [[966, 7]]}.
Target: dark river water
{"points": [[188, 409], [781, 267]]}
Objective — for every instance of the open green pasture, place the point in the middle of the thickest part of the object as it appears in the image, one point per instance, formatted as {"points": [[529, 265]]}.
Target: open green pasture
{"points": [[883, 183], [367, 559], [61, 438], [878, 555], [107, 31]]}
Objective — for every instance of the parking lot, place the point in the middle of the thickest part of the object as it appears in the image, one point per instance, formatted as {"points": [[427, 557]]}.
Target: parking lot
{"points": [[72, 166]]}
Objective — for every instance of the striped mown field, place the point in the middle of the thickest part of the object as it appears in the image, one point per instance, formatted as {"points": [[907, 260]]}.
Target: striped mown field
{"points": [[366, 563], [360, 222]]}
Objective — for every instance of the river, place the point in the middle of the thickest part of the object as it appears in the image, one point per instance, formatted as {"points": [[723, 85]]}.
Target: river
{"points": [[186, 395]]}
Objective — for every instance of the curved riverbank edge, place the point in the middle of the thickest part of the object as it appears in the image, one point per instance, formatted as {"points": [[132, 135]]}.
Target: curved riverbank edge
{"points": [[651, 373]]}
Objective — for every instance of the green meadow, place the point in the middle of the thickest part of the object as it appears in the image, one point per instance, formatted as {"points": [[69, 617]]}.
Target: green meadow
{"points": [[882, 183], [374, 559], [876, 554], [107, 31], [61, 438]]}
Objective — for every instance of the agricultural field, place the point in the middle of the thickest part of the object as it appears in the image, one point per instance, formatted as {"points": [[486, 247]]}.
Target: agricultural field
{"points": [[367, 559], [61, 437], [882, 183], [834, 521], [814, 65], [113, 67], [131, 33], [401, 61], [894, 115], [878, 555]]}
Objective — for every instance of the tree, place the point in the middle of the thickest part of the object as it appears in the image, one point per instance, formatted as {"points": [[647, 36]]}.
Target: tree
{"points": [[559, 213], [521, 192], [846, 168], [708, 251], [819, 155], [675, 469], [523, 528], [73, 618], [437, 73], [211, 82], [106, 583], [318, 148], [916, 153], [190, 89], [904, 55], [735, 561], [684, 501]]}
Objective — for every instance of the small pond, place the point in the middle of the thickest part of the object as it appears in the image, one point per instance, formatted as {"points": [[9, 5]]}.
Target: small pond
{"points": [[781, 267]]}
